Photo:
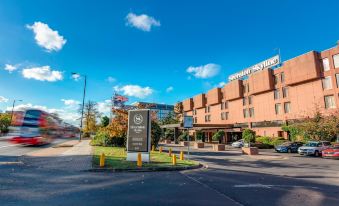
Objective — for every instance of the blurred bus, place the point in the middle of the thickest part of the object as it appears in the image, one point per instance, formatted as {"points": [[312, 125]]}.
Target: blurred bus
{"points": [[35, 127]]}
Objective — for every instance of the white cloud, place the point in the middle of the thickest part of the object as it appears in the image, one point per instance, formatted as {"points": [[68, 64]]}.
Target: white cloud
{"points": [[221, 84], [68, 115], [111, 79], [43, 73], [104, 107], [204, 71], [10, 68], [142, 22], [46, 37], [169, 89], [70, 102], [76, 76], [3, 99], [135, 91]]}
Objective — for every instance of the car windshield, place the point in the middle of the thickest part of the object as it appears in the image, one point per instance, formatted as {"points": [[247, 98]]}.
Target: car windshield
{"points": [[311, 144], [286, 144]]}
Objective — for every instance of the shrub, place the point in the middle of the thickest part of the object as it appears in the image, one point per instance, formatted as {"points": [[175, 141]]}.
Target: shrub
{"points": [[169, 134], [263, 140], [218, 136], [102, 138], [248, 135], [199, 135], [184, 136]]}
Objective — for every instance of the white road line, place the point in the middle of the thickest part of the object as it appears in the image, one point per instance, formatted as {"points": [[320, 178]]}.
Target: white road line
{"points": [[8, 146]]}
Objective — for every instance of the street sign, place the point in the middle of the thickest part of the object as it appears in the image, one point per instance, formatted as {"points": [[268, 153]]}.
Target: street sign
{"points": [[138, 134], [188, 121]]}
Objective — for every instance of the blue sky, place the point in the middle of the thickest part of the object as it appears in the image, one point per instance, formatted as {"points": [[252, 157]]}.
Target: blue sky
{"points": [[161, 51]]}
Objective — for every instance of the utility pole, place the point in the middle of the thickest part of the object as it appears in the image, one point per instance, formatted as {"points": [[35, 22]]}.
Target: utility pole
{"points": [[76, 76], [83, 106]]}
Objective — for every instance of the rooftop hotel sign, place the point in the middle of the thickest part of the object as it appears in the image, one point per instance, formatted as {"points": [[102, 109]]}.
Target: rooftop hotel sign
{"points": [[268, 63], [138, 134]]}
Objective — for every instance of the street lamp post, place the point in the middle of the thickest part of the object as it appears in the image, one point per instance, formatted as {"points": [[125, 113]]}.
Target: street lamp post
{"points": [[83, 102], [19, 100]]}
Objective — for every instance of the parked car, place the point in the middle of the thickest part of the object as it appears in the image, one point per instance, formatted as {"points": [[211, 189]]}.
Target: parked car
{"points": [[332, 152], [288, 147], [238, 144], [314, 148]]}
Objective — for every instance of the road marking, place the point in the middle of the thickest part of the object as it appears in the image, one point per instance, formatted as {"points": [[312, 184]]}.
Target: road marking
{"points": [[270, 186], [7, 146], [208, 187]]}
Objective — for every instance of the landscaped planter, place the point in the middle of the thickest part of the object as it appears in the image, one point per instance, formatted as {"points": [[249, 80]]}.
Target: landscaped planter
{"points": [[199, 145], [184, 143], [250, 150], [219, 147]]}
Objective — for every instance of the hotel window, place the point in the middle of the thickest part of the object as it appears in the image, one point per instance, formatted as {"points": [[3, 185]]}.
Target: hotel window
{"points": [[336, 61], [285, 92], [209, 118], [277, 108], [327, 83], [326, 64], [329, 102], [206, 118], [337, 77], [195, 120], [226, 115], [226, 105], [245, 112], [250, 100], [222, 105], [276, 79], [222, 116], [248, 87], [251, 112], [276, 94], [244, 102], [282, 77], [287, 107]]}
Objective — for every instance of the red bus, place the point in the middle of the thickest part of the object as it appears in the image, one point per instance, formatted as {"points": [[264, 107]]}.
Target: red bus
{"points": [[34, 127]]}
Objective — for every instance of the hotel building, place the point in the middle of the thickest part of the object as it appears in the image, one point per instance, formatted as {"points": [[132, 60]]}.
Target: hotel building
{"points": [[269, 98]]}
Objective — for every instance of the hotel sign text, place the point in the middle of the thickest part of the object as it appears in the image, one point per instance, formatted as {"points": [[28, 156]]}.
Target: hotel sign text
{"points": [[268, 63]]}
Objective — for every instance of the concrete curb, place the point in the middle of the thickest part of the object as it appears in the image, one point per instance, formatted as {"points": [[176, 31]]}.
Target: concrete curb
{"points": [[145, 169]]}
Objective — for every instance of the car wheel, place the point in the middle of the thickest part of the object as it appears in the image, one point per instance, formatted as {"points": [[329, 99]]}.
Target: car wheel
{"points": [[316, 153], [289, 151]]}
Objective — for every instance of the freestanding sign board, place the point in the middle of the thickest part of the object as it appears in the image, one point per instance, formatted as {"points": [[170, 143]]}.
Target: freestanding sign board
{"points": [[139, 134]]}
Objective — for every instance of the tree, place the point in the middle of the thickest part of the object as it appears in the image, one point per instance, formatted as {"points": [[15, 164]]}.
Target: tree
{"points": [[249, 136], [155, 133], [5, 122], [104, 121], [90, 117], [169, 119], [199, 135], [218, 136]]}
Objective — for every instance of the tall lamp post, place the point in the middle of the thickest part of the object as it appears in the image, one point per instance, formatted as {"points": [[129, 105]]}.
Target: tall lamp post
{"points": [[83, 100], [15, 100]]}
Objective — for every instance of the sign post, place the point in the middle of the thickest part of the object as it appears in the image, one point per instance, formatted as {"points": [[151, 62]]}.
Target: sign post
{"points": [[139, 135], [188, 123]]}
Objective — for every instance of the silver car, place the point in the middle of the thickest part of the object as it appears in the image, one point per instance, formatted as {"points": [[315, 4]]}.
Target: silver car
{"points": [[238, 144], [314, 148]]}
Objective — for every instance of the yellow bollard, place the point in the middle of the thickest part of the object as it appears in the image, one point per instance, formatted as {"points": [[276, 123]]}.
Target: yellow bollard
{"points": [[181, 155], [170, 152], [139, 162], [174, 159], [102, 160], [160, 149], [153, 148]]}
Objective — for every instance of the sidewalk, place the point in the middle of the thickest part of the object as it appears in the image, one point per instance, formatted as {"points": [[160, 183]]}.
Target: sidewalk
{"points": [[70, 156]]}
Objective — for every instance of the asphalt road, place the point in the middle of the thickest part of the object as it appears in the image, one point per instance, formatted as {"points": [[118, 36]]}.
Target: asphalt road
{"points": [[230, 179], [10, 152]]}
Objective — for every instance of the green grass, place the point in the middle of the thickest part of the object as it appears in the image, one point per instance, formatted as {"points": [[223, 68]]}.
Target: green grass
{"points": [[116, 158]]}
